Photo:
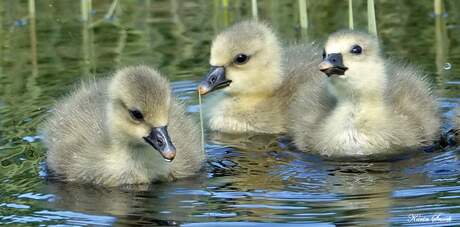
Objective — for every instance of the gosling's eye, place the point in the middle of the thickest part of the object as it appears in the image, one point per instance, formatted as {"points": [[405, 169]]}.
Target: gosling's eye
{"points": [[324, 54], [356, 49], [136, 115], [241, 59]]}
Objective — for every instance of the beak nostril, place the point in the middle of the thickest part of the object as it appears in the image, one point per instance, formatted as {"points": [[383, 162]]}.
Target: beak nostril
{"points": [[160, 143], [213, 79]]}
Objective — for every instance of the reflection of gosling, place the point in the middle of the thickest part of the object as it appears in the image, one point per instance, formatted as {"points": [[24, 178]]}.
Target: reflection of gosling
{"points": [[369, 106], [115, 131], [257, 78]]}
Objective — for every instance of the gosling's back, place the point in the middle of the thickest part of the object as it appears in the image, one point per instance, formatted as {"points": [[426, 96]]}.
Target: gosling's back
{"points": [[77, 127], [411, 95]]}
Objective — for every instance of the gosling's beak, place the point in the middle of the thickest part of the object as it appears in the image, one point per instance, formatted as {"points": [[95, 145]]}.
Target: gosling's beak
{"points": [[160, 140], [333, 65], [214, 80]]}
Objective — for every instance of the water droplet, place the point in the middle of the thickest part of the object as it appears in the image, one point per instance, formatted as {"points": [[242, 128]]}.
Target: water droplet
{"points": [[31, 139], [447, 66]]}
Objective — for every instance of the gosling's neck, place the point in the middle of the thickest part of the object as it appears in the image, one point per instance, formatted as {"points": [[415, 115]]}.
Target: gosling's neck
{"points": [[260, 90], [361, 97]]}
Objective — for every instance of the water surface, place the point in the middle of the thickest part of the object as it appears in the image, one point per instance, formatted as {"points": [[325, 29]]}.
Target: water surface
{"points": [[249, 180]]}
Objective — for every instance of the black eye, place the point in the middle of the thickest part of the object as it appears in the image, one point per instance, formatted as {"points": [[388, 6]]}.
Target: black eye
{"points": [[136, 115], [324, 54], [356, 49], [241, 59]]}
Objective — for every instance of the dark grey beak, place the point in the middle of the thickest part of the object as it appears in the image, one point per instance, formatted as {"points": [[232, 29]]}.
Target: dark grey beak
{"points": [[214, 80], [333, 65], [160, 140]]}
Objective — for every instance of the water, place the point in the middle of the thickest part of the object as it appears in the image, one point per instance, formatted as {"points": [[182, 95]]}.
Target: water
{"points": [[249, 180]]}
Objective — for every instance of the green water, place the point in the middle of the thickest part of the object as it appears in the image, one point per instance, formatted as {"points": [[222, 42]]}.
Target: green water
{"points": [[249, 179]]}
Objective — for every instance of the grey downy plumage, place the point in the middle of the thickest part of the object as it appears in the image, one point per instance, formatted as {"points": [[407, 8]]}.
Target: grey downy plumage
{"points": [[125, 129]]}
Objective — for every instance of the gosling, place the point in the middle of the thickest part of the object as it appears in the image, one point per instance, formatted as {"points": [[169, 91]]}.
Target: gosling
{"points": [[368, 108], [115, 131], [257, 78]]}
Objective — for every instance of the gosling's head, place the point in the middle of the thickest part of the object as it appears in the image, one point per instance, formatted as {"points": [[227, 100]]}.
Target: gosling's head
{"points": [[245, 58], [139, 109], [352, 61]]}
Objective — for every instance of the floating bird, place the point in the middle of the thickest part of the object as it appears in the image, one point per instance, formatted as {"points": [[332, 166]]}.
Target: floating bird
{"points": [[369, 107], [256, 78], [126, 129]]}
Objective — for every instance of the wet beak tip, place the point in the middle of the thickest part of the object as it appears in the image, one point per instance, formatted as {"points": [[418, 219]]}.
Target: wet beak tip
{"points": [[169, 156], [323, 66], [202, 90]]}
